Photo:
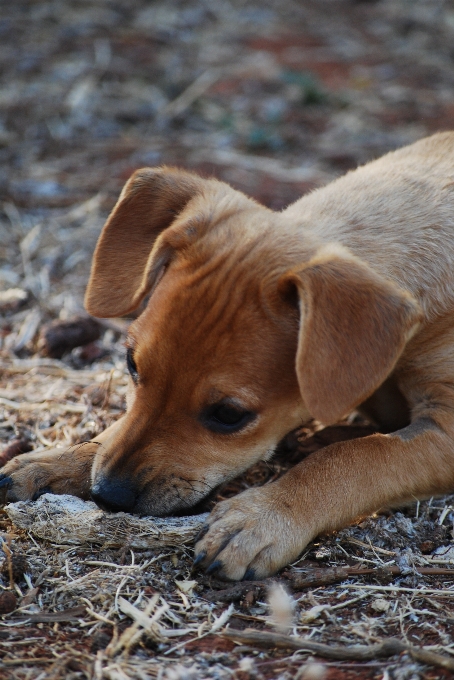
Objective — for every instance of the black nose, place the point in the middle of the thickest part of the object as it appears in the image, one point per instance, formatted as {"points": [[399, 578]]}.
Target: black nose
{"points": [[111, 493]]}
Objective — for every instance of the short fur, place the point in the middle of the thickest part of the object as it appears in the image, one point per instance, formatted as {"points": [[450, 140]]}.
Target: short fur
{"points": [[344, 300]]}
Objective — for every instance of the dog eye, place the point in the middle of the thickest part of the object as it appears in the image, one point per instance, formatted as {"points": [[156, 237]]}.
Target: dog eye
{"points": [[225, 418], [131, 364]]}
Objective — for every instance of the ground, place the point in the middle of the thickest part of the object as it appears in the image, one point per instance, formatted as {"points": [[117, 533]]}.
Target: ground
{"points": [[276, 98]]}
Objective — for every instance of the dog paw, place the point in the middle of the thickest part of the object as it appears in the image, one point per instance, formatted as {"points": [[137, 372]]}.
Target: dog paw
{"points": [[250, 536], [30, 475]]}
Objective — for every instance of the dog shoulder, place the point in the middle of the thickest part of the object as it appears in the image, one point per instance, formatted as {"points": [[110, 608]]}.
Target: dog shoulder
{"points": [[395, 214]]}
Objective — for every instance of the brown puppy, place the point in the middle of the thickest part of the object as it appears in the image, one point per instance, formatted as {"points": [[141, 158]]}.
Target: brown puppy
{"points": [[257, 320]]}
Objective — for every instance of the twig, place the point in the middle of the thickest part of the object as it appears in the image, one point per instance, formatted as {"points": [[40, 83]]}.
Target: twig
{"points": [[195, 90], [71, 614], [421, 592], [314, 579], [295, 580], [26, 660], [356, 652], [385, 649], [44, 405], [369, 546], [264, 164]]}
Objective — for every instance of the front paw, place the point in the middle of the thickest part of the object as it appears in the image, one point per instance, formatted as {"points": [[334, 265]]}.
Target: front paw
{"points": [[23, 479], [28, 476], [250, 536]]}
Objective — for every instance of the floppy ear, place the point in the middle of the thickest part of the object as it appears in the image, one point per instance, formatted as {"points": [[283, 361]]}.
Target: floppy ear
{"points": [[150, 202], [354, 325]]}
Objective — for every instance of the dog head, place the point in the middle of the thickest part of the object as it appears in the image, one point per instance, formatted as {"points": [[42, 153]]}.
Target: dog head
{"points": [[251, 328]]}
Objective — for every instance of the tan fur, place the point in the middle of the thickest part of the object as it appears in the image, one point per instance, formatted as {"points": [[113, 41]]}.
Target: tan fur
{"points": [[345, 300]]}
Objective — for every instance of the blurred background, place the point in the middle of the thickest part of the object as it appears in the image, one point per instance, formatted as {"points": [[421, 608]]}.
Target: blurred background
{"points": [[274, 96]]}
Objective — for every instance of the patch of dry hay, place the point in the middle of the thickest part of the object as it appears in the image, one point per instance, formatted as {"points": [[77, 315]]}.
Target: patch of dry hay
{"points": [[71, 521]]}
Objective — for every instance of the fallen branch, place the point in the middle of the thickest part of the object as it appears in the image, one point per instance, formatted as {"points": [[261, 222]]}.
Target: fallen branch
{"points": [[313, 579], [355, 653], [320, 577], [385, 649]]}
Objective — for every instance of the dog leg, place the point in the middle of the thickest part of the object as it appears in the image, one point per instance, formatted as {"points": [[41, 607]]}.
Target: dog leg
{"points": [[59, 471], [259, 531]]}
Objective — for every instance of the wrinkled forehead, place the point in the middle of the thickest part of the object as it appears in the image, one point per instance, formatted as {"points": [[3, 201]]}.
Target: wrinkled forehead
{"points": [[198, 298], [206, 313]]}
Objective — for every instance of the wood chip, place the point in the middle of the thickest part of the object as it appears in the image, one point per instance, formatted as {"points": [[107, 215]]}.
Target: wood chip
{"points": [[58, 337], [14, 448]]}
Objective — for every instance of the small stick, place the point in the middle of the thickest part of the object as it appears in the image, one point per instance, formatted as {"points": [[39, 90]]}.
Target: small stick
{"points": [[314, 579], [319, 577], [395, 570], [64, 616], [295, 581], [385, 649], [195, 90], [260, 638], [369, 546]]}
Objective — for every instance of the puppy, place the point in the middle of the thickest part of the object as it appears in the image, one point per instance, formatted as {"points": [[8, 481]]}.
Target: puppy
{"points": [[257, 321]]}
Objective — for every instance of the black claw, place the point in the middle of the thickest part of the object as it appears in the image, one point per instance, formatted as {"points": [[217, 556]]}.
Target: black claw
{"points": [[6, 481], [200, 557], [249, 575], [203, 531], [215, 566]]}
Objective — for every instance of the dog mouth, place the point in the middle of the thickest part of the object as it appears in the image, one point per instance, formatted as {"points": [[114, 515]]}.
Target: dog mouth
{"points": [[184, 507], [173, 496], [204, 505], [176, 497]]}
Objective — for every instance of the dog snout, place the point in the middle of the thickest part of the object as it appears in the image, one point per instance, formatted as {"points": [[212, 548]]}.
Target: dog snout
{"points": [[112, 493]]}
